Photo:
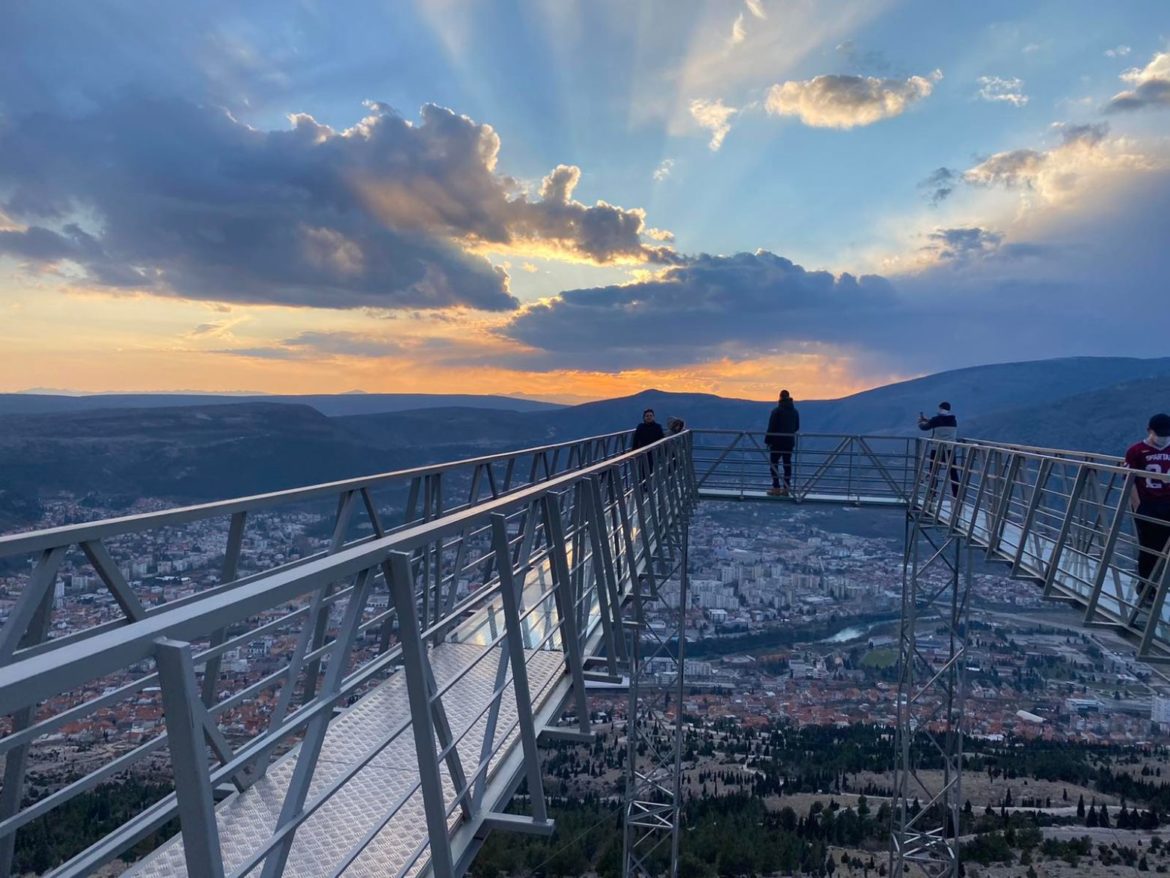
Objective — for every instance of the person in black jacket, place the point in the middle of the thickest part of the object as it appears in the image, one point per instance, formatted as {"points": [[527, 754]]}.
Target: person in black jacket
{"points": [[647, 433], [783, 425], [945, 427]]}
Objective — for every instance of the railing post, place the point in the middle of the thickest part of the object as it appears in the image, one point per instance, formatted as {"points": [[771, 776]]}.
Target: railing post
{"points": [[515, 648], [566, 605], [231, 563], [28, 624], [422, 726], [189, 759]]}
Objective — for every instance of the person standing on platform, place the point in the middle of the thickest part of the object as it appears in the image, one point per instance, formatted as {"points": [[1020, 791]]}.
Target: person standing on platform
{"points": [[945, 427], [783, 425], [1150, 501], [647, 433]]}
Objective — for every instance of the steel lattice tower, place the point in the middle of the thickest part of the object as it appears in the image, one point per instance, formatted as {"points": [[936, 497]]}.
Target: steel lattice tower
{"points": [[936, 586], [653, 800]]}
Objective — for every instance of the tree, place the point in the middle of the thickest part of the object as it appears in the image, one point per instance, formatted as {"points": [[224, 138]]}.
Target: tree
{"points": [[1081, 806], [1103, 817]]}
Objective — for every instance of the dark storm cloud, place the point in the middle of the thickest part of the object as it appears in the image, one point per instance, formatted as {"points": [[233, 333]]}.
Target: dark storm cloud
{"points": [[194, 203], [751, 300]]}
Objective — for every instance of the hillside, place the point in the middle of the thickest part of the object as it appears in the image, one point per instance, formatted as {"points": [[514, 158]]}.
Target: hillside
{"points": [[1108, 420], [204, 451], [189, 453], [330, 404]]}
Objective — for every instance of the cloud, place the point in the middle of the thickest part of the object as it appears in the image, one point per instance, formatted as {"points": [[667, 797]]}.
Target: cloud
{"points": [[217, 329], [838, 101], [748, 301], [715, 117], [1085, 153], [1150, 86], [183, 200], [1000, 89], [1118, 51], [738, 32], [939, 185], [663, 170], [1017, 167], [756, 8], [960, 245], [660, 235]]}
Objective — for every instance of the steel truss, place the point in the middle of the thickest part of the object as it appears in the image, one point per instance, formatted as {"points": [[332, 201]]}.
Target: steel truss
{"points": [[653, 798], [927, 806]]}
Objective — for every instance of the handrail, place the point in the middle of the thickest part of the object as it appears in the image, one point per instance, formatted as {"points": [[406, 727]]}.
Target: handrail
{"points": [[826, 467], [542, 532], [37, 540], [1062, 519]]}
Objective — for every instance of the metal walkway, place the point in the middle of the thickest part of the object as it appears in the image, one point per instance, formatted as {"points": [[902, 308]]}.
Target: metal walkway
{"points": [[333, 708], [406, 673], [1060, 519]]}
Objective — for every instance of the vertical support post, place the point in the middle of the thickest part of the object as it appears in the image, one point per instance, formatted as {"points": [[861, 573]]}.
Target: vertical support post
{"points": [[515, 647], [414, 658], [609, 599], [28, 624], [345, 509], [231, 564], [930, 706], [185, 731], [653, 796], [566, 605]]}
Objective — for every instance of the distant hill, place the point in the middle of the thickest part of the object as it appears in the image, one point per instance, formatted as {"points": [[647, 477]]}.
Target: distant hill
{"points": [[332, 405], [976, 392], [225, 446], [188, 453], [1107, 420]]}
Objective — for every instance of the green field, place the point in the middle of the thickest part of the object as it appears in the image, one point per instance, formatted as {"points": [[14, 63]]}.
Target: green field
{"points": [[885, 657]]}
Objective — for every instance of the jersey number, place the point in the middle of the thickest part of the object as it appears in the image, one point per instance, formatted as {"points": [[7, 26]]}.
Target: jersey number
{"points": [[1155, 484]]}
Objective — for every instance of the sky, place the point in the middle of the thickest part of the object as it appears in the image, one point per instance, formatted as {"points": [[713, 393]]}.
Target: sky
{"points": [[576, 199]]}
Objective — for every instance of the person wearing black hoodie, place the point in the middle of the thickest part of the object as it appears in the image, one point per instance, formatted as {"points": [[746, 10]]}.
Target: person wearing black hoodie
{"points": [[647, 433], [783, 425]]}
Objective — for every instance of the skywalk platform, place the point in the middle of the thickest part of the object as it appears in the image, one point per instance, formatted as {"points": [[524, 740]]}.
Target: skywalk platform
{"points": [[715, 492], [500, 581]]}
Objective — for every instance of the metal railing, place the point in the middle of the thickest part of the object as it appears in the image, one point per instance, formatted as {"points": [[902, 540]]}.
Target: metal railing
{"points": [[826, 467], [1060, 518], [507, 573]]}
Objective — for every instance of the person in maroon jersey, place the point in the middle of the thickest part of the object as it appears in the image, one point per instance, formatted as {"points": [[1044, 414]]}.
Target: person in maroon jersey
{"points": [[1151, 500]]}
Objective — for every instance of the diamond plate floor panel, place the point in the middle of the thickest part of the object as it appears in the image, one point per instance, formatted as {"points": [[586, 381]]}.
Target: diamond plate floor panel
{"points": [[387, 786]]}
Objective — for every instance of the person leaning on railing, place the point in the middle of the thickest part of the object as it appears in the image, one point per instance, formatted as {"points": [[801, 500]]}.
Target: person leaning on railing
{"points": [[783, 425], [1150, 501], [945, 427]]}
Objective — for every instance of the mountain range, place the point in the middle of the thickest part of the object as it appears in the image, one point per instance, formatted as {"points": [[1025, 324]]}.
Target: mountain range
{"points": [[194, 447]]}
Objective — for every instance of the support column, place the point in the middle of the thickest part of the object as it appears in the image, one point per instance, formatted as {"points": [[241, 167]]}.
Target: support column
{"points": [[653, 798], [936, 587]]}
